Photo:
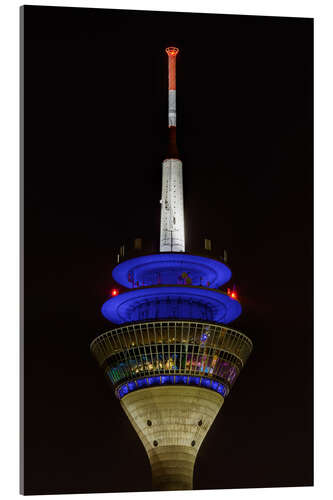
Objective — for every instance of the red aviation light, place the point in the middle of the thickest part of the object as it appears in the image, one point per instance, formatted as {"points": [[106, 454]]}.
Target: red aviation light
{"points": [[233, 295], [172, 51], [114, 292]]}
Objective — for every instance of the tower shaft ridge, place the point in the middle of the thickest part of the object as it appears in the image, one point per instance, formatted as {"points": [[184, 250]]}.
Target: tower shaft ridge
{"points": [[172, 359]]}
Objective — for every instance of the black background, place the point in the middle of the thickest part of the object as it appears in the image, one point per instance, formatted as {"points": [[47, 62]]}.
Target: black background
{"points": [[95, 131]]}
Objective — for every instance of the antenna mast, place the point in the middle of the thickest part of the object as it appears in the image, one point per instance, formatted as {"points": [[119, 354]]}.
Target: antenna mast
{"points": [[172, 237]]}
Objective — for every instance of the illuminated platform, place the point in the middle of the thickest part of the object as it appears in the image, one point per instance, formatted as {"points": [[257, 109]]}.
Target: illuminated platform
{"points": [[196, 353], [168, 269], [172, 301]]}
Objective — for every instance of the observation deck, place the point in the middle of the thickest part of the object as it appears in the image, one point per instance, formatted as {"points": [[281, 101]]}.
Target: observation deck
{"points": [[139, 355]]}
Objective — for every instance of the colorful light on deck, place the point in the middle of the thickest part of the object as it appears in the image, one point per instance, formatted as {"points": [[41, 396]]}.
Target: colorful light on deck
{"points": [[204, 337], [114, 292]]}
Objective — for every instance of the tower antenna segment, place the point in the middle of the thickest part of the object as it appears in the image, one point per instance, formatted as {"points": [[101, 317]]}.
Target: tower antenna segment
{"points": [[172, 236], [172, 54]]}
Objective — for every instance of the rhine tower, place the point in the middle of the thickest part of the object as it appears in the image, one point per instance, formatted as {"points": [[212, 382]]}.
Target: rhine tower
{"points": [[172, 359]]}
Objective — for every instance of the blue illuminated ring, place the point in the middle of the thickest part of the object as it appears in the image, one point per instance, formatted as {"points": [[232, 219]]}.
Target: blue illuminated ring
{"points": [[166, 269], [119, 309]]}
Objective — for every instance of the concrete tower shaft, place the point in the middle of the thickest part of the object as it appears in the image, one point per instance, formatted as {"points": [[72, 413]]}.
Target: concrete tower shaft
{"points": [[172, 422], [172, 235]]}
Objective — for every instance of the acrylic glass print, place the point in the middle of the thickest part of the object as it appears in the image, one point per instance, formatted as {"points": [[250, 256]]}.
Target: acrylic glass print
{"points": [[168, 225]]}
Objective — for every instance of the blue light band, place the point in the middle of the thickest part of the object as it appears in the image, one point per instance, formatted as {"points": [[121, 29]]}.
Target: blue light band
{"points": [[207, 383], [171, 302], [167, 269]]}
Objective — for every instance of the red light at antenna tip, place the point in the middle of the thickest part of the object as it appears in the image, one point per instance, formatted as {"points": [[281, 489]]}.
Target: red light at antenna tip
{"points": [[114, 292], [172, 51]]}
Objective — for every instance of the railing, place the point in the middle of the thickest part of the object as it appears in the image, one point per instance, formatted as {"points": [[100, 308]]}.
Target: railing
{"points": [[153, 247], [172, 347]]}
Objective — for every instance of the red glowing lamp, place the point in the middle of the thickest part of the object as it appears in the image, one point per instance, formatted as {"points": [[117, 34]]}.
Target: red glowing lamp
{"points": [[172, 51], [114, 292], [233, 295]]}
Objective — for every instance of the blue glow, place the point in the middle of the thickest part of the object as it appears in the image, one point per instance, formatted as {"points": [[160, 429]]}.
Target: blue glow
{"points": [[131, 386], [170, 379], [181, 379], [221, 389], [170, 302], [194, 380], [205, 382], [153, 380], [167, 268], [141, 382], [123, 390], [215, 385]]}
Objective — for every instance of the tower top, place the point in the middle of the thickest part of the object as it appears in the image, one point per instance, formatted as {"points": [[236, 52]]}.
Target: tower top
{"points": [[172, 51]]}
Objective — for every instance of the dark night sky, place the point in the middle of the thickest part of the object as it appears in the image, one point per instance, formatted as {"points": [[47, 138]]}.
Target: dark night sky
{"points": [[95, 104]]}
